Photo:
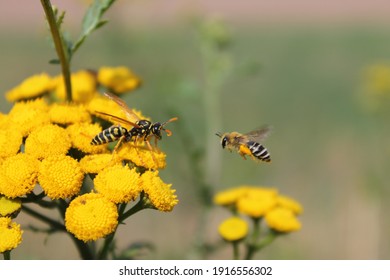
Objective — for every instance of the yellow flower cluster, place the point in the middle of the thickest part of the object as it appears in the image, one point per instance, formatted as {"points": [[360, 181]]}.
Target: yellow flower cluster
{"points": [[11, 234]]}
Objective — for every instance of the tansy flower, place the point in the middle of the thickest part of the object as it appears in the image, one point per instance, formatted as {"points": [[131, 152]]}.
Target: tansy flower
{"points": [[289, 203], [255, 207], [233, 229], [68, 114], [81, 135], [11, 234], [60, 176], [83, 87], [282, 220], [32, 87], [118, 183], [230, 196], [118, 79], [27, 116], [18, 175], [10, 141], [91, 216], [160, 194], [3, 121], [96, 163], [48, 140], [9, 207], [141, 155]]}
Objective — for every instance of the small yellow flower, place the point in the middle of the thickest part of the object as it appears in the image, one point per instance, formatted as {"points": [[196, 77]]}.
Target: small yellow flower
{"points": [[289, 203], [282, 220], [255, 207], [9, 207], [160, 194], [230, 196], [4, 121], [10, 141], [11, 234], [68, 114], [18, 175], [140, 155], [118, 79], [91, 216], [48, 140], [96, 163], [60, 176], [27, 116], [378, 78], [83, 87], [32, 87], [118, 183], [81, 135], [233, 229]]}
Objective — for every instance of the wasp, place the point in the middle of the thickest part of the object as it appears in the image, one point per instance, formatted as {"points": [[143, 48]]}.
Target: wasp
{"points": [[248, 143], [141, 129]]}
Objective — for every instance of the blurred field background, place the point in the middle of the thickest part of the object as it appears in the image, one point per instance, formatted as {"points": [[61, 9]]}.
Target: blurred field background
{"points": [[298, 65]]}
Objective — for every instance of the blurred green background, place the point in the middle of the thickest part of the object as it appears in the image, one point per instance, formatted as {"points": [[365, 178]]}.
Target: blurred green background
{"points": [[302, 74]]}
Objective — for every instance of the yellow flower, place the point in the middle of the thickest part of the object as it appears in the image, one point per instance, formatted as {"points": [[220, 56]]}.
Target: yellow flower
{"points": [[233, 229], [11, 234], [255, 207], [81, 135], [10, 141], [27, 116], [68, 114], [230, 196], [32, 87], [4, 121], [96, 163], [282, 220], [118, 79], [118, 183], [91, 216], [289, 203], [378, 77], [160, 194], [83, 87], [48, 140], [9, 207], [18, 175], [140, 155], [60, 176]]}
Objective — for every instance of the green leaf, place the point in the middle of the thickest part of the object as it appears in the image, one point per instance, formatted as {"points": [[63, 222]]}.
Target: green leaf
{"points": [[92, 20]]}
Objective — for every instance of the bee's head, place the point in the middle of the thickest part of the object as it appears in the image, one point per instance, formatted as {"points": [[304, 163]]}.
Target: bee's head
{"points": [[224, 139]]}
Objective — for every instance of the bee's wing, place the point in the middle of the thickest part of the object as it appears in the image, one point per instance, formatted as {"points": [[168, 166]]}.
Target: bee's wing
{"points": [[129, 113], [116, 119], [259, 134]]}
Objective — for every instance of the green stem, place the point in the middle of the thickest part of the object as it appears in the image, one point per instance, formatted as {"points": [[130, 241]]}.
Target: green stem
{"points": [[236, 254], [59, 45], [7, 255], [252, 244], [43, 218]]}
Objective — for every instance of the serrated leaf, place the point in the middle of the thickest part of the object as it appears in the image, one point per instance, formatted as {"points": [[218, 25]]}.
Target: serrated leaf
{"points": [[92, 20]]}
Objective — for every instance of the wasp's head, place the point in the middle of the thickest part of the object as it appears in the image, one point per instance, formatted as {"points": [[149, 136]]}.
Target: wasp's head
{"points": [[157, 127]]}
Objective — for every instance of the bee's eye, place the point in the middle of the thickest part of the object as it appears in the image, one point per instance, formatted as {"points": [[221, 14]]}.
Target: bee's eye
{"points": [[224, 141]]}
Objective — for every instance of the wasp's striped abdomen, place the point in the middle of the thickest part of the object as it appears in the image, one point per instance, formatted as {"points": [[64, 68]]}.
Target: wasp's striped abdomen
{"points": [[110, 134], [259, 151]]}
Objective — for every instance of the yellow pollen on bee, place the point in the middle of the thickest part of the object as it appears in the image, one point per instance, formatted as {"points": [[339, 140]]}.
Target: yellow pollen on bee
{"points": [[244, 150]]}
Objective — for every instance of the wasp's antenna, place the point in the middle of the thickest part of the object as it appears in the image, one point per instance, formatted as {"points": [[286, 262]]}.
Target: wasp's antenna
{"points": [[170, 120]]}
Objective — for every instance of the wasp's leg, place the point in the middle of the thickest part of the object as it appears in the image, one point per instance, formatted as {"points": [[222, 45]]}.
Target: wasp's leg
{"points": [[151, 152]]}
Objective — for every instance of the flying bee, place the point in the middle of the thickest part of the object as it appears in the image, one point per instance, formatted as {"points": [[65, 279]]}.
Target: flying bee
{"points": [[248, 143], [141, 129]]}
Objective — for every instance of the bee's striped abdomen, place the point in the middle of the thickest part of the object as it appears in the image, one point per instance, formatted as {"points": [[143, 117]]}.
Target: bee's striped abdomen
{"points": [[259, 151], [110, 134]]}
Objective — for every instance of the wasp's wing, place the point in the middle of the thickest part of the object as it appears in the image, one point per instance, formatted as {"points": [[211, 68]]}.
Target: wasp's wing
{"points": [[259, 134], [129, 113], [117, 119]]}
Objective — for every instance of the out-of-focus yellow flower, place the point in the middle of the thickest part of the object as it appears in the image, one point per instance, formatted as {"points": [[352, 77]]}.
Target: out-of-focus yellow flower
{"points": [[96, 163], [118, 79], [32, 87], [18, 175], [83, 86], [282, 220], [27, 116], [48, 140], [91, 216], [288, 202], [378, 79], [233, 229], [11, 234], [160, 194], [9, 207], [10, 141], [255, 207], [81, 135], [230, 196], [60, 176], [69, 114], [140, 155], [118, 183]]}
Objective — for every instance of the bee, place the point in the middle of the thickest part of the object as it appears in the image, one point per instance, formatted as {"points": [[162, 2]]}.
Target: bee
{"points": [[141, 129], [248, 143]]}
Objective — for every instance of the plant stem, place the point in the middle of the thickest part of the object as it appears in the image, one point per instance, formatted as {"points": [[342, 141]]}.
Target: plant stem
{"points": [[235, 250], [43, 218], [60, 47], [7, 255], [251, 246]]}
